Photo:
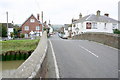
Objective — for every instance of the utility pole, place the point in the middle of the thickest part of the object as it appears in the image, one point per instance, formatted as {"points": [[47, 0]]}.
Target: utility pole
{"points": [[42, 20], [42, 16], [7, 24], [49, 21]]}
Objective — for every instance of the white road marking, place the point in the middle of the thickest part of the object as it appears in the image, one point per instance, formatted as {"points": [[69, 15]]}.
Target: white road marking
{"points": [[89, 51], [55, 62], [119, 70]]}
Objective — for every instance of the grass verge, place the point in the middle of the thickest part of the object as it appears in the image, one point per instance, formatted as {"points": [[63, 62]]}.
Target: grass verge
{"points": [[19, 45]]}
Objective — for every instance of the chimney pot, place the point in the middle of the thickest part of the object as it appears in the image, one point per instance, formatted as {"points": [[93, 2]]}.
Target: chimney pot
{"points": [[98, 13], [106, 14], [80, 16], [38, 17]]}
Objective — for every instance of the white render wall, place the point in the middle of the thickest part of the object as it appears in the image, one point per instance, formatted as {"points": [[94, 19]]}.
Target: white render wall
{"points": [[100, 27], [51, 30], [69, 28], [10, 30]]}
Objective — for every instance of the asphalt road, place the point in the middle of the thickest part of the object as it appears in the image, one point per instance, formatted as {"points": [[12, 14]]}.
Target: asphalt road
{"points": [[84, 59]]}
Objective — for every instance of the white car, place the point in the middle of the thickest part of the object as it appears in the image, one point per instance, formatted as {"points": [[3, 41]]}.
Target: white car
{"points": [[64, 36]]}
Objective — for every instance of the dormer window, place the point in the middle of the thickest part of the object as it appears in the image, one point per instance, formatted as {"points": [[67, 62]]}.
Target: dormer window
{"points": [[32, 20]]}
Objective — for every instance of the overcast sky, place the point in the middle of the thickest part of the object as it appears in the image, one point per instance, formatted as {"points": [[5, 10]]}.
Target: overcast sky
{"points": [[57, 11]]}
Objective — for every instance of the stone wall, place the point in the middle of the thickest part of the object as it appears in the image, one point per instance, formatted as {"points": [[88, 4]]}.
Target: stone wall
{"points": [[33, 65], [109, 39]]}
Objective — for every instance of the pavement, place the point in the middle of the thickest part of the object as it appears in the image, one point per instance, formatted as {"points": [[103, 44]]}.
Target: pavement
{"points": [[82, 59]]}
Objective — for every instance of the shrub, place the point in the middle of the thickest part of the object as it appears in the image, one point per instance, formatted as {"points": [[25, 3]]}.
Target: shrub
{"points": [[22, 36], [12, 34], [116, 31]]}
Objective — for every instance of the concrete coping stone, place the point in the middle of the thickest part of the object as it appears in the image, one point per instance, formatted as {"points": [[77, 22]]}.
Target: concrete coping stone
{"points": [[33, 64]]}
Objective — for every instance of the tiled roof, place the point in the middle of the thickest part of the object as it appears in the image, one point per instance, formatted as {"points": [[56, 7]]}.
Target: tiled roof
{"points": [[96, 18], [29, 18]]}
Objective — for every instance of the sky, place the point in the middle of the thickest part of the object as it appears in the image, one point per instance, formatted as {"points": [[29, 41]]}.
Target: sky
{"points": [[57, 11]]}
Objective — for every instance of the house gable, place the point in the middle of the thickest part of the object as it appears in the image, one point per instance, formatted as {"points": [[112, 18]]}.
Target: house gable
{"points": [[31, 23], [31, 17]]}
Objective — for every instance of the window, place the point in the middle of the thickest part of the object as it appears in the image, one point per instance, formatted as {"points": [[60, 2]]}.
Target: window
{"points": [[94, 25], [37, 27], [26, 27], [114, 26], [32, 20], [88, 25], [26, 35]]}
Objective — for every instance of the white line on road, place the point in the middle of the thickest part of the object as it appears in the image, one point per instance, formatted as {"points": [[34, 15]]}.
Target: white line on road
{"points": [[89, 51], [55, 62]]}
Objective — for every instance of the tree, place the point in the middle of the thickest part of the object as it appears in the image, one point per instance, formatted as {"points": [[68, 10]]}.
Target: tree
{"points": [[12, 34], [70, 25], [15, 33], [17, 30], [3, 30], [22, 35], [0, 30]]}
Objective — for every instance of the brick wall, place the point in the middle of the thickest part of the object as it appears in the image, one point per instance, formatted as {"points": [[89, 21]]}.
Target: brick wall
{"points": [[32, 26]]}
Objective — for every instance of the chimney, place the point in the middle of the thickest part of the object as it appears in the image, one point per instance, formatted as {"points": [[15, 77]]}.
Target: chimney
{"points": [[106, 14], [80, 16], [38, 17], [98, 13]]}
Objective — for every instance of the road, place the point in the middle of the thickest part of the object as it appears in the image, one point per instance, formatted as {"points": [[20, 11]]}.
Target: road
{"points": [[83, 58]]}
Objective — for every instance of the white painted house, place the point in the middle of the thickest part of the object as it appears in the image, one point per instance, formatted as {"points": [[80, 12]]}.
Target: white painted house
{"points": [[10, 30], [67, 29], [50, 29], [94, 23]]}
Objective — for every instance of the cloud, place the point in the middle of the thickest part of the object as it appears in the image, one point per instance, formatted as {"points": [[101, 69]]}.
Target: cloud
{"points": [[59, 11]]}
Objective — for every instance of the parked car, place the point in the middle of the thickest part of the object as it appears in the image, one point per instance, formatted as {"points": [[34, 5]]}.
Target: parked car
{"points": [[65, 36]]}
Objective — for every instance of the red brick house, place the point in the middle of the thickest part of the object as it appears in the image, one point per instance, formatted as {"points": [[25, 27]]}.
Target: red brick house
{"points": [[32, 24]]}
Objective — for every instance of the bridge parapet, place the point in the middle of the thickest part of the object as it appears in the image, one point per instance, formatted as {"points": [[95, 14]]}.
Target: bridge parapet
{"points": [[32, 66], [109, 39]]}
